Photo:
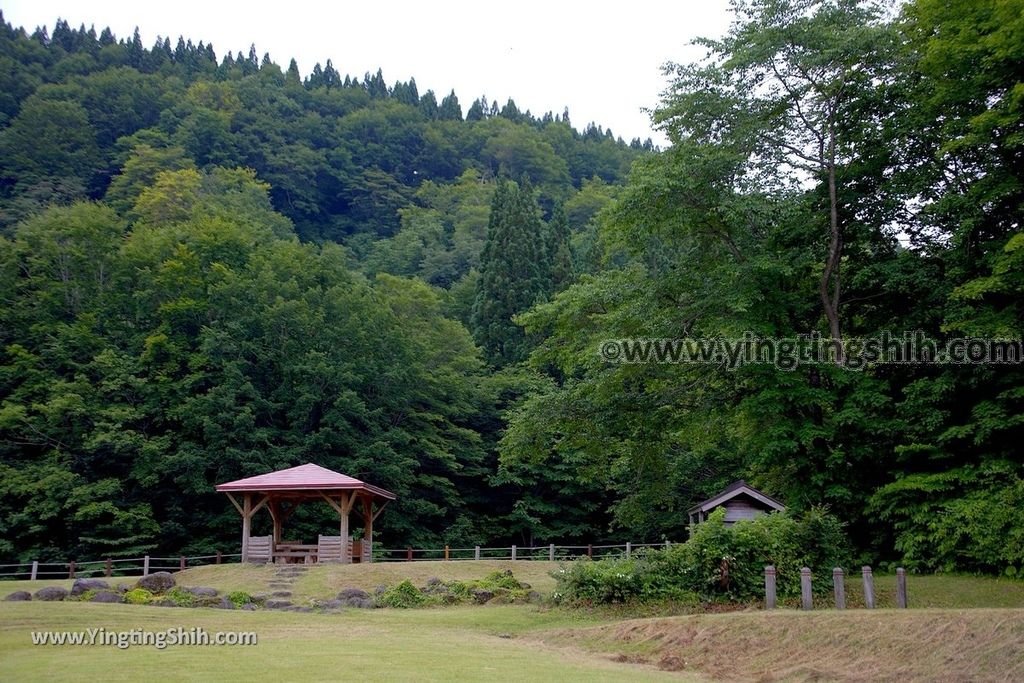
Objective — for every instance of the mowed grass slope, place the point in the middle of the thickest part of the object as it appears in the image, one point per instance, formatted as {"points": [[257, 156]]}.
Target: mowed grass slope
{"points": [[324, 581], [452, 644], [857, 645]]}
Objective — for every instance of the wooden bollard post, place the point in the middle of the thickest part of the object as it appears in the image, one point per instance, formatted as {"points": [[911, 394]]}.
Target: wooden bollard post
{"points": [[35, 569], [769, 587], [551, 552], [108, 568], [408, 554], [446, 552], [629, 549], [476, 552], [901, 588], [869, 587], [839, 586], [182, 563], [513, 552], [220, 557], [590, 550], [668, 544], [806, 598], [145, 565], [71, 569]]}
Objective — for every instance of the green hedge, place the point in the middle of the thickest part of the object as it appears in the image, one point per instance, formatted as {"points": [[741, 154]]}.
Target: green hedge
{"points": [[719, 562]]}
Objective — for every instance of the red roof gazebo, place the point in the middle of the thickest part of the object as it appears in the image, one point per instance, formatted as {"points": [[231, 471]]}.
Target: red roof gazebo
{"points": [[281, 492]]}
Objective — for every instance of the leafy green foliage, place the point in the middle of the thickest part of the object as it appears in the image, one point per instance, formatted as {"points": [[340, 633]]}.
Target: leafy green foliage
{"points": [[403, 595], [718, 562], [138, 596]]}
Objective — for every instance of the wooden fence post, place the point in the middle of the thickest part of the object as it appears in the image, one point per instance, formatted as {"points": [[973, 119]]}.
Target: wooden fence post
{"points": [[408, 554], [769, 587], [869, 587], [145, 565], [590, 550], [806, 598], [839, 586], [220, 557], [629, 549], [513, 552], [476, 552], [108, 568], [446, 552], [551, 553], [901, 588], [35, 569], [71, 569], [668, 544]]}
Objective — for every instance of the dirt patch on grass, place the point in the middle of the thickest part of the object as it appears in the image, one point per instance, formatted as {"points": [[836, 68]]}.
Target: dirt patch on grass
{"points": [[882, 645]]}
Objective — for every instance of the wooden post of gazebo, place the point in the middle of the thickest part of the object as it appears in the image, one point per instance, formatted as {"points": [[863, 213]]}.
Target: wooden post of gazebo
{"points": [[294, 485]]}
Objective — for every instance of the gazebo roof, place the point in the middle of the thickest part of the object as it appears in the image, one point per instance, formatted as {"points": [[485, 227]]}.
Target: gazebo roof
{"points": [[308, 477]]}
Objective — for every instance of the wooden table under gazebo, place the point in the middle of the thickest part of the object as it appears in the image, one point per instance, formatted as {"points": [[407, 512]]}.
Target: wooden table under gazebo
{"points": [[281, 492]]}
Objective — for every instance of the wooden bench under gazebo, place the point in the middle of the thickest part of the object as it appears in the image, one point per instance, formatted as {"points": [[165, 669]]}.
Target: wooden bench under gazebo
{"points": [[281, 492]]}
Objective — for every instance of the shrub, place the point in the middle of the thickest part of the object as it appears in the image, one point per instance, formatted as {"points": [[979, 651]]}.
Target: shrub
{"points": [[403, 595], [138, 596], [181, 597], [719, 562], [239, 598]]}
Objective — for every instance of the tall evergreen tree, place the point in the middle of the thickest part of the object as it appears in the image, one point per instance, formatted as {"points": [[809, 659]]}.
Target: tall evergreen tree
{"points": [[511, 273]]}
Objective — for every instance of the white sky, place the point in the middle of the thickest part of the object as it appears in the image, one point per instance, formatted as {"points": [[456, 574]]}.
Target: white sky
{"points": [[601, 59]]}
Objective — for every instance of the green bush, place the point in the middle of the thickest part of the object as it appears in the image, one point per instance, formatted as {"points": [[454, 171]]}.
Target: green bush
{"points": [[403, 595], [718, 562], [239, 598], [138, 596], [180, 597]]}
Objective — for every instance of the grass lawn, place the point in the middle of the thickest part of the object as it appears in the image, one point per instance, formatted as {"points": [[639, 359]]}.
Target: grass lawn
{"points": [[324, 581], [959, 628], [453, 644]]}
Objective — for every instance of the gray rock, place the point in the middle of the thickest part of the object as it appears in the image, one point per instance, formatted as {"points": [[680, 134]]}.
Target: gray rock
{"points": [[380, 590], [350, 593], [523, 584], [18, 596], [277, 604], [123, 588], [296, 608], [482, 595], [163, 602], [51, 594], [434, 581], [105, 596], [360, 603], [282, 594], [248, 607], [223, 603], [534, 597], [157, 582], [82, 585], [331, 604], [202, 591]]}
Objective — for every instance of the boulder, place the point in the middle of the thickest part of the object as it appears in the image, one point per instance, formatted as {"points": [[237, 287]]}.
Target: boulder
{"points": [[51, 593], [277, 604], [164, 602], [331, 604], [157, 582], [534, 597], [18, 596], [202, 592], [296, 608], [281, 594], [106, 596], [482, 595], [352, 594], [380, 590], [360, 603], [248, 607], [123, 588], [223, 603], [82, 585], [434, 581]]}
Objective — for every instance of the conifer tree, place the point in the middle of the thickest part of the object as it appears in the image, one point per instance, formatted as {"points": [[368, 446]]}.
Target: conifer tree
{"points": [[511, 273]]}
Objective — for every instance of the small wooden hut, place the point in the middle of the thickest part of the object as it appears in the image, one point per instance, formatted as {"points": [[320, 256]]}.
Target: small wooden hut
{"points": [[740, 500]]}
